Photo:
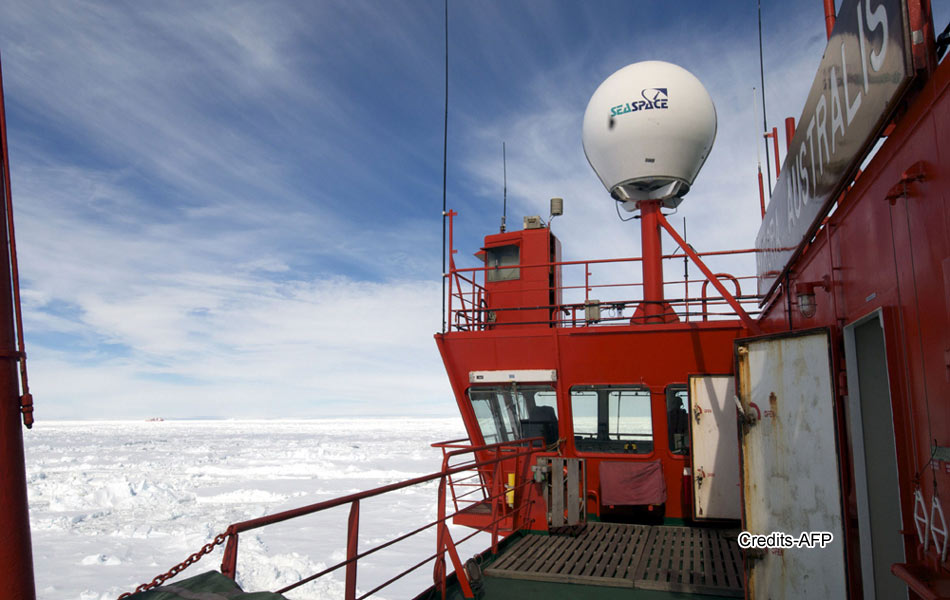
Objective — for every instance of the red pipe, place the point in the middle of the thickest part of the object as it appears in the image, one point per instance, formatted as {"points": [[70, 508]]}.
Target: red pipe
{"points": [[16, 553], [761, 193], [752, 326], [920, 15], [451, 214], [705, 300], [775, 147], [652, 261], [829, 16], [789, 132]]}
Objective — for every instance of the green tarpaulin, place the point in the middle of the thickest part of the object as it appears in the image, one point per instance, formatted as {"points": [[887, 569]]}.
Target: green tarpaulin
{"points": [[207, 586]]}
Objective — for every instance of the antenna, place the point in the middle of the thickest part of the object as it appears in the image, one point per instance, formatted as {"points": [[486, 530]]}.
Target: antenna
{"points": [[765, 123], [685, 272], [758, 156], [445, 147], [504, 202], [685, 261]]}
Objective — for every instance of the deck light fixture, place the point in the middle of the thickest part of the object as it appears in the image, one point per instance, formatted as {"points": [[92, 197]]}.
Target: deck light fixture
{"points": [[805, 292]]}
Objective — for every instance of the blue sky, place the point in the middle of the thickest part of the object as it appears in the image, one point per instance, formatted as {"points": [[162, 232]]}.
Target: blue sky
{"points": [[233, 208]]}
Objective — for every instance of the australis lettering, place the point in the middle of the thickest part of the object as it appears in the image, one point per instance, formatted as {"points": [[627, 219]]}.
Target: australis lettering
{"points": [[863, 73], [653, 98], [845, 101]]}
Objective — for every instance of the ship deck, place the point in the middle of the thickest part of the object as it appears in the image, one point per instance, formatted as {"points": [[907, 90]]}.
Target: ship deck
{"points": [[682, 560]]}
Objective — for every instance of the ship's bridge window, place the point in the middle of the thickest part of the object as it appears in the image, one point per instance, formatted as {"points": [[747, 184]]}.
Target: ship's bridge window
{"points": [[502, 256], [513, 412], [611, 418], [677, 418]]}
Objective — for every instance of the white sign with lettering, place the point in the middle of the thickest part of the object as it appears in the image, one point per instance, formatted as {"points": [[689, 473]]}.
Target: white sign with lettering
{"points": [[863, 73]]}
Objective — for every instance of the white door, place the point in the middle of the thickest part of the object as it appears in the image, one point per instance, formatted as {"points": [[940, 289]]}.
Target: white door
{"points": [[715, 447], [789, 459]]}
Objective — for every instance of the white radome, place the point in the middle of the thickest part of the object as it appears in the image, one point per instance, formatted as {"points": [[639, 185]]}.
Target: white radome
{"points": [[648, 129]]}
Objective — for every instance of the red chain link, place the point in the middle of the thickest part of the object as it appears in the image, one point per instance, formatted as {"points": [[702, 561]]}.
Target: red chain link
{"points": [[160, 579]]}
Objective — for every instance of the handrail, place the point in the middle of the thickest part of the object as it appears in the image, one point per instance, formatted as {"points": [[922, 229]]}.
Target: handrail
{"points": [[734, 280], [484, 457], [597, 261], [571, 309], [472, 310], [472, 306]]}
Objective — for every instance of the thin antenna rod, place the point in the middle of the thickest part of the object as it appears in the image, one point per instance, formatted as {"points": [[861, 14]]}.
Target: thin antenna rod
{"points": [[504, 204], [445, 146], [765, 124], [758, 155], [755, 118], [685, 274]]}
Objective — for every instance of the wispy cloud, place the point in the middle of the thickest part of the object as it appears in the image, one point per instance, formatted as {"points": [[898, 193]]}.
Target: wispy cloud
{"points": [[233, 208], [546, 159]]}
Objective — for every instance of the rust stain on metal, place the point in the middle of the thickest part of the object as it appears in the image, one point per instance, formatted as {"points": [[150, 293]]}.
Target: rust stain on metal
{"points": [[772, 411]]}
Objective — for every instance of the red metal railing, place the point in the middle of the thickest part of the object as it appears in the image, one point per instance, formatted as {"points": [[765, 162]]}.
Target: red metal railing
{"points": [[470, 308], [470, 311], [487, 486], [461, 462]]}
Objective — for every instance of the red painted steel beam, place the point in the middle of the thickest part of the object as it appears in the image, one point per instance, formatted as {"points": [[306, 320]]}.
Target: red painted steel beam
{"points": [[16, 552], [752, 326], [652, 254]]}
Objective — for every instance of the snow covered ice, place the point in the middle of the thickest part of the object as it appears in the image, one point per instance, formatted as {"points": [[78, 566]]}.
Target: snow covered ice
{"points": [[115, 503]]}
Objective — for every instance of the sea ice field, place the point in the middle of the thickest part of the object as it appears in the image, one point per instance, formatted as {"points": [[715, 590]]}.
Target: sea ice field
{"points": [[115, 503]]}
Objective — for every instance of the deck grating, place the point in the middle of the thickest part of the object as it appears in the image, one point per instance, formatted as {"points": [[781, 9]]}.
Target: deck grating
{"points": [[676, 559]]}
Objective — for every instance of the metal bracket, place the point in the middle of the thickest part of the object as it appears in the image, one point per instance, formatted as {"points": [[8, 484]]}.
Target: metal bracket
{"points": [[916, 172], [541, 472], [921, 521], [939, 545], [748, 418]]}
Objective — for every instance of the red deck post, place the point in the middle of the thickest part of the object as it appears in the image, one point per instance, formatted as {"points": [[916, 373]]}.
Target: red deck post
{"points": [[229, 560], [352, 549], [652, 261], [16, 553]]}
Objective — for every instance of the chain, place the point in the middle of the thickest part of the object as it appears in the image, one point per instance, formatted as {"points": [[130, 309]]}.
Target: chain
{"points": [[160, 579]]}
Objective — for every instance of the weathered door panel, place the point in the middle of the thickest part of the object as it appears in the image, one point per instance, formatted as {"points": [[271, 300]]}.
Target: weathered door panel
{"points": [[714, 446], [789, 465]]}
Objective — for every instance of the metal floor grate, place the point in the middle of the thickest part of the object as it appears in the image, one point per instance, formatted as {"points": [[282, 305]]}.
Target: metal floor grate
{"points": [[678, 559]]}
